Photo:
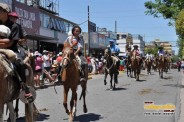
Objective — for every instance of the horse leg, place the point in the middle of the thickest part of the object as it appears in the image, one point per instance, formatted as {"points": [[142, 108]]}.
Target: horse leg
{"points": [[1, 112], [73, 104], [17, 108], [29, 112], [65, 99], [83, 94], [111, 77], [12, 112], [105, 77]]}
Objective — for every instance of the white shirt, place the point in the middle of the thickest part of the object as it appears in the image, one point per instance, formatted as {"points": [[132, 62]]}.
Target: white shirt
{"points": [[46, 61], [72, 38]]}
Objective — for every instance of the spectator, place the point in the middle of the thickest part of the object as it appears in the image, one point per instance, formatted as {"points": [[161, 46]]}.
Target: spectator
{"points": [[46, 62], [179, 64], [59, 58], [89, 64], [182, 65], [38, 68]]}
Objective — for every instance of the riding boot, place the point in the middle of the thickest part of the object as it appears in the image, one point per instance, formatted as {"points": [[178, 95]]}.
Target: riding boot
{"points": [[20, 73]]}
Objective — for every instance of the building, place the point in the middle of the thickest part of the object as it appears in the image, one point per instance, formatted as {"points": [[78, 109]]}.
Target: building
{"points": [[138, 40], [123, 41], [40, 19]]}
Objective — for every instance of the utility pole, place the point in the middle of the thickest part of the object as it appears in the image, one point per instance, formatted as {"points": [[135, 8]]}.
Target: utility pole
{"points": [[115, 26], [88, 32]]}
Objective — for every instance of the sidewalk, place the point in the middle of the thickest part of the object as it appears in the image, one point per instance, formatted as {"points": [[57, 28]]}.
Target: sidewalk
{"points": [[181, 115]]}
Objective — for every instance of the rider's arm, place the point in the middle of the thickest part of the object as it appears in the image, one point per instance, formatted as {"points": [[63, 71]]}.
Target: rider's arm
{"points": [[79, 46], [5, 43]]}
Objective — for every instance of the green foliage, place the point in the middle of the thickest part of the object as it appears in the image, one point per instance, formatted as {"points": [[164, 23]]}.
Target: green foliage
{"points": [[180, 24], [175, 58], [168, 9], [153, 51]]}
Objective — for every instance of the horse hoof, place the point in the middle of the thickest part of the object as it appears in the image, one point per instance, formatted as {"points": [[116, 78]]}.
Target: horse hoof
{"points": [[85, 110], [105, 82]]}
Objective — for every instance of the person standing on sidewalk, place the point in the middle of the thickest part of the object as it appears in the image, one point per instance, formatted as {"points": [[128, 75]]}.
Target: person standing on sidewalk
{"points": [[179, 64], [182, 65]]}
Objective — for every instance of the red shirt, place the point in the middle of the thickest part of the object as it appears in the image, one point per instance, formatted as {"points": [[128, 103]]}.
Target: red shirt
{"points": [[58, 59]]}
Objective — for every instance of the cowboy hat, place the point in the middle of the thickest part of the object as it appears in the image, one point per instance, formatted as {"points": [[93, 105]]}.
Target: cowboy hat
{"points": [[111, 40], [5, 7], [13, 14]]}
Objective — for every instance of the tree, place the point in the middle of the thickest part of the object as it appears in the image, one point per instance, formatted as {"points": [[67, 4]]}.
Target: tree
{"points": [[171, 10], [180, 24], [168, 9], [153, 51]]}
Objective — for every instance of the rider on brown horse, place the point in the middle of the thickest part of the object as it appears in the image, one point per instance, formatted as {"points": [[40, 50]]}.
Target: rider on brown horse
{"points": [[149, 56], [10, 43], [136, 53], [115, 52], [75, 42]]}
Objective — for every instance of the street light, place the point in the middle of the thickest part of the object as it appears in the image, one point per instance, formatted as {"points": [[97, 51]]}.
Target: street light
{"points": [[88, 32]]}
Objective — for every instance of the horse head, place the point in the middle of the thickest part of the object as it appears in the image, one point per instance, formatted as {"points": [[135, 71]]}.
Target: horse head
{"points": [[68, 54], [107, 53]]}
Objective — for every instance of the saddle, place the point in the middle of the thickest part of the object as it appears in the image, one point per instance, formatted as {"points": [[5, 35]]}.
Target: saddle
{"points": [[7, 58]]}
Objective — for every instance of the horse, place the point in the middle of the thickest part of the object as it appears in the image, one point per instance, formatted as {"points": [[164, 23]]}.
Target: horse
{"points": [[31, 63], [71, 68], [161, 65], [129, 66], [10, 87], [136, 66], [168, 63], [148, 64], [110, 68], [155, 64]]}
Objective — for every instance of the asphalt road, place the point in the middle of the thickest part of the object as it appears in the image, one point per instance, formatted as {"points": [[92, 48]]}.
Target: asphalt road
{"points": [[124, 104]]}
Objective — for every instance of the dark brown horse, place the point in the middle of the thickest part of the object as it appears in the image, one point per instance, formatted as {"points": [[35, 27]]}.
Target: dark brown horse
{"points": [[10, 89], [110, 68], [70, 76], [129, 66], [136, 66], [148, 65]]}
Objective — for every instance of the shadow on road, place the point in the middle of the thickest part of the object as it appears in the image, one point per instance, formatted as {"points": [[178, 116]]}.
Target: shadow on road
{"points": [[141, 80], [116, 89], [90, 117], [169, 77], [40, 117], [174, 85]]}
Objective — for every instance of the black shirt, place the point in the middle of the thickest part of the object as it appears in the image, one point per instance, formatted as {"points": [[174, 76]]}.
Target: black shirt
{"points": [[14, 35]]}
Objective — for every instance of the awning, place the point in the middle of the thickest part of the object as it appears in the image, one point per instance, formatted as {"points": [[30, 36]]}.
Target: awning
{"points": [[40, 37]]}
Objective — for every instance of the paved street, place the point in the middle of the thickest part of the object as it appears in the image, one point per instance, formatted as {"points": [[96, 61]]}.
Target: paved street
{"points": [[125, 104]]}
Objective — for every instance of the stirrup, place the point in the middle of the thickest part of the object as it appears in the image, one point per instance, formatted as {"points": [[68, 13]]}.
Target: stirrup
{"points": [[29, 97]]}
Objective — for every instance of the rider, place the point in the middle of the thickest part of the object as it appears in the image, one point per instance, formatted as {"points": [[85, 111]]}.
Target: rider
{"points": [[149, 55], [11, 43], [115, 53], [161, 52], [75, 42], [136, 53]]}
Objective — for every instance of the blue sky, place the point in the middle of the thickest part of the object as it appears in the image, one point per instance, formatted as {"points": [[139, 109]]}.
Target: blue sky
{"points": [[129, 15]]}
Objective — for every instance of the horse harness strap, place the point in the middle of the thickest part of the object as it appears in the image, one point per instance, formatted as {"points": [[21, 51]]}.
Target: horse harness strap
{"points": [[7, 64]]}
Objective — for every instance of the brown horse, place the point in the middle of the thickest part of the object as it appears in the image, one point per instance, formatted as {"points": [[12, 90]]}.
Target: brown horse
{"points": [[10, 89], [136, 66], [161, 65], [110, 68], [71, 78]]}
